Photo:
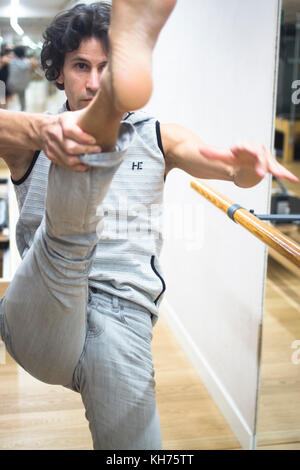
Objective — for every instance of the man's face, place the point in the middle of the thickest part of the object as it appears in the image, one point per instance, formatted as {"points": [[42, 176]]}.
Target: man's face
{"points": [[81, 72]]}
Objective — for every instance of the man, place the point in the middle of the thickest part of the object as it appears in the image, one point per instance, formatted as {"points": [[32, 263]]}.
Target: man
{"points": [[7, 55], [19, 74], [80, 309]]}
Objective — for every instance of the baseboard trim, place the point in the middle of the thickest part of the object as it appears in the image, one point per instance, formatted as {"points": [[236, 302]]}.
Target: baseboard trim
{"points": [[216, 389]]}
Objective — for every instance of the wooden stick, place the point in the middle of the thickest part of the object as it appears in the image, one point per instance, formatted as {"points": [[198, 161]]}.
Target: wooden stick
{"points": [[260, 229]]}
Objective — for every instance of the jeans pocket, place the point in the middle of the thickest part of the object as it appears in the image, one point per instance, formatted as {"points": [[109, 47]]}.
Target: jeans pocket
{"points": [[95, 322], [138, 321], [95, 328]]}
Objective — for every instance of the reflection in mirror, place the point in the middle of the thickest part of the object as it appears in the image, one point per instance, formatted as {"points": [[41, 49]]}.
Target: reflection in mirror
{"points": [[278, 418]]}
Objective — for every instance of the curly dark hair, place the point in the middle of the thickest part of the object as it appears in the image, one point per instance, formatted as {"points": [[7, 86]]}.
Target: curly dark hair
{"points": [[66, 32]]}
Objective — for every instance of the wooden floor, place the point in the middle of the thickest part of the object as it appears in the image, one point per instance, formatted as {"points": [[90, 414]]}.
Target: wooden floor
{"points": [[37, 416], [34, 415], [279, 403]]}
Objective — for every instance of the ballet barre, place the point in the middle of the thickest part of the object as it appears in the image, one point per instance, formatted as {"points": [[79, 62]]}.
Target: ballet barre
{"points": [[260, 229]]}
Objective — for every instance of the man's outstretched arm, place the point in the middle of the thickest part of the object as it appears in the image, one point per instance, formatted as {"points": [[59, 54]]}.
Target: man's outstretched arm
{"points": [[21, 130], [62, 140], [245, 164]]}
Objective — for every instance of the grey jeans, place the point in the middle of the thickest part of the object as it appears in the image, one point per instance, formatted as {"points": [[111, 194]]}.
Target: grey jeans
{"points": [[63, 332]]}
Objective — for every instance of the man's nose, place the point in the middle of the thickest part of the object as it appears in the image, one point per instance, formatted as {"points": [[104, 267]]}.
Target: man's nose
{"points": [[93, 82]]}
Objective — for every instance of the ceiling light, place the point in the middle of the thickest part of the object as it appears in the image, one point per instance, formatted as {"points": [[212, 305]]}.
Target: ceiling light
{"points": [[14, 6], [28, 42]]}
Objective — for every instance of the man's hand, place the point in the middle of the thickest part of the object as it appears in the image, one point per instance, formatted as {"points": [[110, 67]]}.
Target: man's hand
{"points": [[250, 163], [34, 63], [63, 140], [5, 59]]}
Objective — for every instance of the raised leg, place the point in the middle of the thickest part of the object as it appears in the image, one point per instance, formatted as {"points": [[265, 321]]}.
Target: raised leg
{"points": [[44, 311]]}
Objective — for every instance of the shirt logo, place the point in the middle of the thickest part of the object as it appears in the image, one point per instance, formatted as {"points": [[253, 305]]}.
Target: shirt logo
{"points": [[137, 166]]}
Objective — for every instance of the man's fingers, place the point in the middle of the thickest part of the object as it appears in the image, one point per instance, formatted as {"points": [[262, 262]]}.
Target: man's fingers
{"points": [[75, 149], [248, 156], [71, 130], [72, 162], [276, 169], [78, 135], [282, 172], [70, 148], [80, 167], [260, 170], [255, 157]]}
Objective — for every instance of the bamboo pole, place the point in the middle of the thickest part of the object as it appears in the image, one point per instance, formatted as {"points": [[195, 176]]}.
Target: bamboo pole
{"points": [[260, 229]]}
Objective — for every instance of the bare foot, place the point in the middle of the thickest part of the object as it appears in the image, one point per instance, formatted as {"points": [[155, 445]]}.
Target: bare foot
{"points": [[134, 30], [126, 83]]}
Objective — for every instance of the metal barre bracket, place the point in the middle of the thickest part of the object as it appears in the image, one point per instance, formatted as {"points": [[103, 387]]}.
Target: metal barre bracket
{"points": [[270, 217], [283, 218]]}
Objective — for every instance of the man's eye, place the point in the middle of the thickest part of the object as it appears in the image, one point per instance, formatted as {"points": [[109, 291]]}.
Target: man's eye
{"points": [[81, 66]]}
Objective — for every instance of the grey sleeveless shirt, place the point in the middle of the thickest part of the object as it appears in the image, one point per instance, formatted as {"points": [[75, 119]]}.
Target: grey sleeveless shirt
{"points": [[127, 255]]}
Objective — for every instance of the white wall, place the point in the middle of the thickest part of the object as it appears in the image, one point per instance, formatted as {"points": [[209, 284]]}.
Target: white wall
{"points": [[214, 72]]}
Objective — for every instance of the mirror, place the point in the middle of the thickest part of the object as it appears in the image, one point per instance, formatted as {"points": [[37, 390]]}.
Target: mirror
{"points": [[278, 417]]}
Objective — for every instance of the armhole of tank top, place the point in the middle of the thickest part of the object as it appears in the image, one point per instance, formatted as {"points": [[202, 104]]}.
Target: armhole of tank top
{"points": [[24, 178], [159, 142], [128, 115]]}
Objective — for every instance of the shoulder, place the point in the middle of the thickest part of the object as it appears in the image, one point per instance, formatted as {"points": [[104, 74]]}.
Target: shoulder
{"points": [[171, 137], [147, 127], [166, 136], [138, 118], [172, 134]]}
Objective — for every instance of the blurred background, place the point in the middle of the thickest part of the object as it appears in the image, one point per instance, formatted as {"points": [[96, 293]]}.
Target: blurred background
{"points": [[22, 23]]}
